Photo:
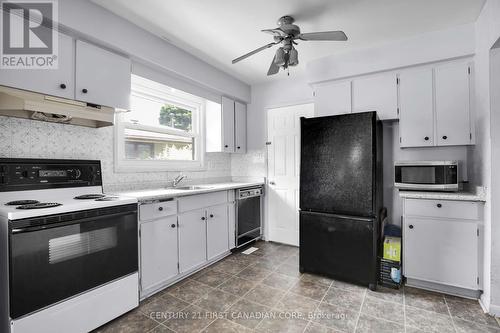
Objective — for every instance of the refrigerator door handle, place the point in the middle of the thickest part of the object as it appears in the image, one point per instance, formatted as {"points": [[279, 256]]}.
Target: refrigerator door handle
{"points": [[340, 216]]}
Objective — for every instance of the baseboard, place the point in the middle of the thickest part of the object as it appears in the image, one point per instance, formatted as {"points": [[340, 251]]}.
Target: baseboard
{"points": [[494, 310]]}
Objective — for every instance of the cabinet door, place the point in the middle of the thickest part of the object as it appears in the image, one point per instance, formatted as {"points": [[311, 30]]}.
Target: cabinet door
{"points": [[227, 125], [159, 255], [331, 99], [102, 77], [416, 124], [56, 82], [240, 127], [192, 239], [376, 93], [441, 251], [452, 104], [217, 231]]}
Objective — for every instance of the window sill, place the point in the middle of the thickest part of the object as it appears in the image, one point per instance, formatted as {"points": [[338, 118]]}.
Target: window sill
{"points": [[125, 166]]}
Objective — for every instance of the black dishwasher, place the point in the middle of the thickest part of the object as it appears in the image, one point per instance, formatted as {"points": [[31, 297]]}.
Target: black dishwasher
{"points": [[248, 215]]}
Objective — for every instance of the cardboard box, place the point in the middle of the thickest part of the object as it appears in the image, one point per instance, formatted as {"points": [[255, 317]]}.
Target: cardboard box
{"points": [[392, 248]]}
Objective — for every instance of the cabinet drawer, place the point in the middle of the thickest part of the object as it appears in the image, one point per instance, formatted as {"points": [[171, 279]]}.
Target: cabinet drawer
{"points": [[192, 202], [157, 210], [443, 208]]}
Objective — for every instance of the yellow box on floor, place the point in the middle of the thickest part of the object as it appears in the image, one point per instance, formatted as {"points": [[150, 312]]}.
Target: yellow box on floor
{"points": [[392, 248]]}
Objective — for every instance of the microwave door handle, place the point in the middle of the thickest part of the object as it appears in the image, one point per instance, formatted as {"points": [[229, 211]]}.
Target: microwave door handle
{"points": [[63, 224]]}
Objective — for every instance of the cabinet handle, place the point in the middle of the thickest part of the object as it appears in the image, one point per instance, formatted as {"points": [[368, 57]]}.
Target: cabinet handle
{"points": [[272, 183], [226, 146], [426, 138], [238, 147], [62, 86], [445, 137], [439, 205], [212, 216], [160, 208], [84, 90], [410, 226], [203, 218], [173, 225]]}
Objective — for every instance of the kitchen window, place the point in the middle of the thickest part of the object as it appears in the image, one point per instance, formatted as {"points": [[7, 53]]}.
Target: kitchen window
{"points": [[162, 131]]}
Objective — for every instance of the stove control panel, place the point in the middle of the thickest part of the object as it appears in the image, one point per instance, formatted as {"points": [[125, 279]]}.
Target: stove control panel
{"points": [[33, 174]]}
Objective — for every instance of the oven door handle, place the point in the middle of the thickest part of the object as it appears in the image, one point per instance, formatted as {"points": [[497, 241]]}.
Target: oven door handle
{"points": [[66, 223]]}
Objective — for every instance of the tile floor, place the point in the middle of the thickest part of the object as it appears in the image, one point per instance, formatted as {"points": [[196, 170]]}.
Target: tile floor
{"points": [[264, 292]]}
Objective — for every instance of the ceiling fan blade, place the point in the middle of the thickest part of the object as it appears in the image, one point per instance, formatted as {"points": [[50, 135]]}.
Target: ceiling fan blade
{"points": [[324, 35], [275, 32], [273, 69], [253, 52]]}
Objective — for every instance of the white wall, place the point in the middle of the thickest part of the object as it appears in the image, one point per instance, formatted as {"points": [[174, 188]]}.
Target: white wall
{"points": [[290, 91], [421, 49], [25, 138], [480, 163], [92, 22]]}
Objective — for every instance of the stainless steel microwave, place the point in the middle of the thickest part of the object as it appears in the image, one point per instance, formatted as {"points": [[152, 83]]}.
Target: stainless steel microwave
{"points": [[426, 175]]}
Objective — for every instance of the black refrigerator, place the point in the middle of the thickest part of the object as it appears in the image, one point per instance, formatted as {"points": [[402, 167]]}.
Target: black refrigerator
{"points": [[341, 196]]}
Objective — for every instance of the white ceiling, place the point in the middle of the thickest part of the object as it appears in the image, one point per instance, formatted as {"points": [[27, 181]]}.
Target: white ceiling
{"points": [[219, 30]]}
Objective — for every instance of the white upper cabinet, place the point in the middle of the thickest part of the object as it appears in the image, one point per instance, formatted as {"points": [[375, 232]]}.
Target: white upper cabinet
{"points": [[333, 98], [376, 93], [416, 118], [102, 77], [227, 125], [56, 82], [452, 87], [240, 127]]}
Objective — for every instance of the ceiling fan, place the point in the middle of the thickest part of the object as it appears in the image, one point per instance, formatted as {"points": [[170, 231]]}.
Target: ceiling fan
{"points": [[286, 33]]}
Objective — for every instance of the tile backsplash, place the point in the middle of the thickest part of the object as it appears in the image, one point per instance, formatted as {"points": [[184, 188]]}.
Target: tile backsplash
{"points": [[24, 138]]}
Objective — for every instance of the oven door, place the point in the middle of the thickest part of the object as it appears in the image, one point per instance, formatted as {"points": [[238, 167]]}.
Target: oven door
{"points": [[50, 262]]}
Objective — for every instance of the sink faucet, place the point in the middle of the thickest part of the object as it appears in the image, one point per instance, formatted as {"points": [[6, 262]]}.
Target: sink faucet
{"points": [[177, 180]]}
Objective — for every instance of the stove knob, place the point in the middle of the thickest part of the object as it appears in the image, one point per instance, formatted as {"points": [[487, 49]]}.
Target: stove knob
{"points": [[24, 174]]}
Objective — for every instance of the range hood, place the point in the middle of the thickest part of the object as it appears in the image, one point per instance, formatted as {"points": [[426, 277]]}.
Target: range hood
{"points": [[25, 104]]}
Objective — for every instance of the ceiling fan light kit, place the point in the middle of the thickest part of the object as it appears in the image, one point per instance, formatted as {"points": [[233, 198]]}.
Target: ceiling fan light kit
{"points": [[286, 34]]}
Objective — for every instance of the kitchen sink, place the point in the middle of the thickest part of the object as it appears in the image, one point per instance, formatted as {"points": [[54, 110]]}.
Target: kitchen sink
{"points": [[190, 188]]}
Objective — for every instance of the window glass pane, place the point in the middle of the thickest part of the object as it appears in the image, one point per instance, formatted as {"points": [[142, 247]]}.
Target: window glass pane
{"points": [[146, 145], [153, 112]]}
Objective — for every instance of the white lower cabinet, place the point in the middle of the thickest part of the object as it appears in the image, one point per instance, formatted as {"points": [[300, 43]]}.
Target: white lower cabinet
{"points": [[158, 251], [217, 231], [180, 236], [192, 240], [438, 249]]}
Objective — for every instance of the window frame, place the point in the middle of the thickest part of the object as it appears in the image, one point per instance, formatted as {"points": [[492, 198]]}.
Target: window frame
{"points": [[167, 95]]}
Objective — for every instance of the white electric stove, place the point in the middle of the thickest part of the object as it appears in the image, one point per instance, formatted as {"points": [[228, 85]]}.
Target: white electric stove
{"points": [[68, 253]]}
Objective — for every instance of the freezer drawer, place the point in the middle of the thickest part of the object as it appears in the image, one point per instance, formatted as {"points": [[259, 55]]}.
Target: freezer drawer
{"points": [[340, 247]]}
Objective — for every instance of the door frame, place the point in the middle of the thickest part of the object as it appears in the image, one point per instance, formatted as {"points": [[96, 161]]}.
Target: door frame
{"points": [[266, 185]]}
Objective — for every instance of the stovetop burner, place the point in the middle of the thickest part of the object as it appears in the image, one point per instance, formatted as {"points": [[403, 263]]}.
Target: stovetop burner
{"points": [[89, 196], [21, 202], [40, 205]]}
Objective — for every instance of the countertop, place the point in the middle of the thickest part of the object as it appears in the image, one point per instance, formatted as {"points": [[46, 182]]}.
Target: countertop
{"points": [[473, 195], [163, 193]]}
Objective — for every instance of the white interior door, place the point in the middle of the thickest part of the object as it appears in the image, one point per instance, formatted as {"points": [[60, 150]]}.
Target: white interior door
{"points": [[283, 131]]}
